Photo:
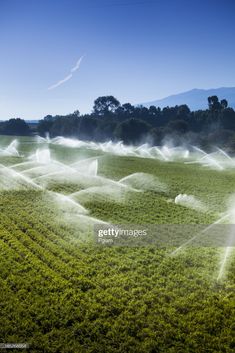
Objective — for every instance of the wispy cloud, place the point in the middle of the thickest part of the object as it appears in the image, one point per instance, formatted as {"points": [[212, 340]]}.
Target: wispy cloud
{"points": [[61, 82], [68, 77], [76, 67]]}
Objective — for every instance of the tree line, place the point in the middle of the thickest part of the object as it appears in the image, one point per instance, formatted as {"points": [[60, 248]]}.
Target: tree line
{"points": [[111, 120], [14, 127]]}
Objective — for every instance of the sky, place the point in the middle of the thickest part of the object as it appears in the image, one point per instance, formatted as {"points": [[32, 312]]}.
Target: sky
{"points": [[58, 56]]}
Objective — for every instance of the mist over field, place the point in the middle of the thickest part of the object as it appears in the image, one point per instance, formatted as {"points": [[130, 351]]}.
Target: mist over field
{"points": [[56, 191]]}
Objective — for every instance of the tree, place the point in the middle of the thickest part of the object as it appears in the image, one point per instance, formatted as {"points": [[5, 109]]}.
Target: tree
{"points": [[133, 123], [178, 126], [65, 126], [105, 129], [105, 105], [224, 103], [49, 118], [76, 113], [220, 137], [213, 103], [132, 131], [45, 125], [156, 136], [228, 119], [183, 112], [15, 127], [154, 111], [87, 127], [128, 109]]}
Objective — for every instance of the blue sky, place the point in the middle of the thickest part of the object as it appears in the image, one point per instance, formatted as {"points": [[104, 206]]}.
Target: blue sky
{"points": [[136, 50]]}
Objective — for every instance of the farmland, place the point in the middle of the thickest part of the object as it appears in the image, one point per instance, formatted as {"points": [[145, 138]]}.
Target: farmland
{"points": [[62, 292]]}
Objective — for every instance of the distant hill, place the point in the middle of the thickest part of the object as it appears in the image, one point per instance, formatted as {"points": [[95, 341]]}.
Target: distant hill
{"points": [[196, 98], [32, 121]]}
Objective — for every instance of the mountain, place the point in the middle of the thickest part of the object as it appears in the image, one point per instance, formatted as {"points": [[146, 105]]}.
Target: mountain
{"points": [[196, 98]]}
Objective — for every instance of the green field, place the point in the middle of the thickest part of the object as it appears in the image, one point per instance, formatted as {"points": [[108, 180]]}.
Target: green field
{"points": [[62, 292]]}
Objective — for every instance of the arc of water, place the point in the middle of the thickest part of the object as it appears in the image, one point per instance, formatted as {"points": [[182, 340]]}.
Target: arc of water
{"points": [[199, 150], [23, 177], [208, 155], [106, 181], [21, 164], [84, 160], [199, 234], [66, 198], [33, 169], [227, 253], [225, 154], [64, 166], [209, 159], [52, 173], [229, 248]]}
